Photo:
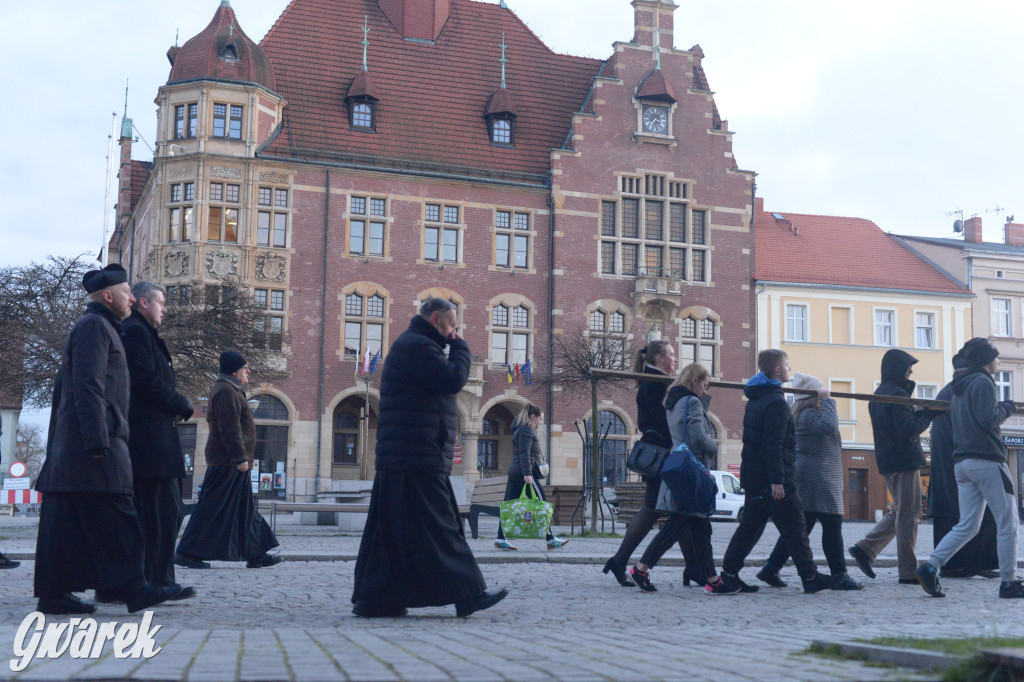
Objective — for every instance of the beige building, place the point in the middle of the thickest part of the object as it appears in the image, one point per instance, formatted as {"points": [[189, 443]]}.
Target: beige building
{"points": [[994, 272], [837, 293]]}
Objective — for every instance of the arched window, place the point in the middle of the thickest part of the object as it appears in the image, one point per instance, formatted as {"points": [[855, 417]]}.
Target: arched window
{"points": [[700, 342], [613, 452], [487, 445], [501, 131], [510, 334], [608, 342], [365, 319], [347, 433], [272, 445], [362, 115]]}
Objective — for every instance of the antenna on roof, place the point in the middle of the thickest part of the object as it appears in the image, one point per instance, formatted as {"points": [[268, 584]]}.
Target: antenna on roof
{"points": [[958, 224], [176, 32], [126, 98], [366, 41], [503, 60], [998, 210]]}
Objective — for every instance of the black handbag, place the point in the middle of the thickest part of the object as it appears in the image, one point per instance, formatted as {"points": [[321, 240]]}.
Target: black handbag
{"points": [[647, 458]]}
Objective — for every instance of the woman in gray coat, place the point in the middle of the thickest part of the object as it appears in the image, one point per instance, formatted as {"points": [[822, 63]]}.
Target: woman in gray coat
{"points": [[525, 469], [819, 482]]}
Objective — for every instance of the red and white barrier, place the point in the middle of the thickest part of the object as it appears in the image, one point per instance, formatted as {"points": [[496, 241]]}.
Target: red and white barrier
{"points": [[20, 497]]}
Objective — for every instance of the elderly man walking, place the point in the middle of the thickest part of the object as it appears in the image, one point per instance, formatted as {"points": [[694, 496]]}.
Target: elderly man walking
{"points": [[158, 464], [89, 534], [414, 552]]}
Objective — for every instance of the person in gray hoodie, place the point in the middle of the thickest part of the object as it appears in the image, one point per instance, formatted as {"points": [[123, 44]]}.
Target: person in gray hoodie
{"points": [[982, 474]]}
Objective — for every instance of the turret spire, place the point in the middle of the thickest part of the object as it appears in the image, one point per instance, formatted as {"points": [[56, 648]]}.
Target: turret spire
{"points": [[366, 40], [504, 61]]}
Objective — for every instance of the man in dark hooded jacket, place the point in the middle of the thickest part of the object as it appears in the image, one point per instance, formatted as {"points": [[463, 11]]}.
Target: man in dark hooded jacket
{"points": [[414, 551], [897, 431]]}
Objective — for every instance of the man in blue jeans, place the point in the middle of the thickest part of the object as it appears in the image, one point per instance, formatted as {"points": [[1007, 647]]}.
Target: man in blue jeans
{"points": [[982, 475]]}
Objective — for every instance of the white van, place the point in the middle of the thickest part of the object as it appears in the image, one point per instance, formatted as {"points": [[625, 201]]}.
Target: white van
{"points": [[729, 504]]}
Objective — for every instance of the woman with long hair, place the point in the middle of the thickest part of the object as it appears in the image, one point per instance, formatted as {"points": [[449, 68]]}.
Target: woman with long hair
{"points": [[657, 357], [819, 482], [525, 468], [686, 406]]}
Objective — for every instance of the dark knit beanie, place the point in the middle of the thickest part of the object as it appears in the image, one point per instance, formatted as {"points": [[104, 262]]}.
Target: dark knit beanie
{"points": [[978, 352], [231, 361]]}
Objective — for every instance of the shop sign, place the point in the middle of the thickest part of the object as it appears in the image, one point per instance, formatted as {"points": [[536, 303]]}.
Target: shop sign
{"points": [[1014, 441]]}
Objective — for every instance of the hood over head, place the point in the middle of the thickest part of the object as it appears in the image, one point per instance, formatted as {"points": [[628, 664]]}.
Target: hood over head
{"points": [[895, 364]]}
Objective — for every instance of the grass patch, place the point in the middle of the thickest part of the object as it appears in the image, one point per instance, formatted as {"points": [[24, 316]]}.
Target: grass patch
{"points": [[954, 647]]}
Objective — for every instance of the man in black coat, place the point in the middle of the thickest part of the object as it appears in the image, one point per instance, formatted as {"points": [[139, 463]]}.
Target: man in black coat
{"points": [[897, 431], [158, 464], [89, 535], [413, 551]]}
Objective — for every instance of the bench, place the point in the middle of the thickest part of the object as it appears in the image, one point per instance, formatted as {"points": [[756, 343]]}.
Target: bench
{"points": [[273, 506], [488, 494], [631, 498]]}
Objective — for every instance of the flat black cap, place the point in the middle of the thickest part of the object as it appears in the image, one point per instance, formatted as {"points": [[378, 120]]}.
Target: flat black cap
{"points": [[94, 280]]}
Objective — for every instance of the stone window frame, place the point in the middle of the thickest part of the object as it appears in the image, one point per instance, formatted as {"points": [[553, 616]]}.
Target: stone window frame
{"points": [[273, 323], [181, 212], [228, 121], [217, 204], [511, 233], [369, 219], [185, 127], [608, 308], [443, 225], [366, 290], [698, 341], [512, 302], [272, 211]]}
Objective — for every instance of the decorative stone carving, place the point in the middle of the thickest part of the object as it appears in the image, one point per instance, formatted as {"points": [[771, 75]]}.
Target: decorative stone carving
{"points": [[150, 266], [221, 263], [183, 172], [223, 172], [271, 176], [176, 263], [271, 266]]}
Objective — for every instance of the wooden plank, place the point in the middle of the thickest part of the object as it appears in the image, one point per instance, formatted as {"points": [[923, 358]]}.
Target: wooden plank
{"points": [[939, 405]]}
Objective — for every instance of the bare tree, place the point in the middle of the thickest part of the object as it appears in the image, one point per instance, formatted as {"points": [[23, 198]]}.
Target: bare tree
{"points": [[39, 304], [31, 449], [201, 323]]}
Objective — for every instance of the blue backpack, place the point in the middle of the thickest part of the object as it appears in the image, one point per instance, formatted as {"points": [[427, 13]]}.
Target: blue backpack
{"points": [[690, 482]]}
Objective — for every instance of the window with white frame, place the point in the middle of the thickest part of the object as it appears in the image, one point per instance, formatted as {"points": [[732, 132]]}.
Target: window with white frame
{"points": [[269, 328], [927, 391], [885, 327], [182, 211], [367, 226], [607, 333], [1004, 385], [1001, 324], [653, 230], [272, 217], [442, 239], [700, 343], [510, 334], [365, 319], [924, 330], [796, 322], [511, 239]]}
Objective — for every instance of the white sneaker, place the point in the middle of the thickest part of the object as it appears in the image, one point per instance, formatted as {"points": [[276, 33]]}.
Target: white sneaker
{"points": [[556, 542], [505, 545]]}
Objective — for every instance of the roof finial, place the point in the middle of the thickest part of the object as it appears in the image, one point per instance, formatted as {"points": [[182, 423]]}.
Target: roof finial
{"points": [[176, 32], [225, 3], [502, 4], [231, 29], [657, 49], [126, 98], [366, 40], [503, 60]]}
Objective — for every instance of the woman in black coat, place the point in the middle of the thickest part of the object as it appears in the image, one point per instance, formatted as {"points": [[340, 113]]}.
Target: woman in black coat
{"points": [[526, 457], [657, 357]]}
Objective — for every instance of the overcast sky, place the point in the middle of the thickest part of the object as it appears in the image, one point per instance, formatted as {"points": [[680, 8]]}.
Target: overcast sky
{"points": [[895, 111]]}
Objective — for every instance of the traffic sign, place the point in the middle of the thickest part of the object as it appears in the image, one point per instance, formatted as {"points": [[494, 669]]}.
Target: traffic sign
{"points": [[18, 469]]}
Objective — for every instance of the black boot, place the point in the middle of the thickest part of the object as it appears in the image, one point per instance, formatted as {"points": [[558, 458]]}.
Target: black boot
{"points": [[618, 571]]}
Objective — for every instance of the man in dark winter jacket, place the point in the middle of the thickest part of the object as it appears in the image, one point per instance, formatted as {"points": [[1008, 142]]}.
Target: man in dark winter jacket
{"points": [[767, 473], [158, 464], [89, 535], [982, 474], [413, 551], [897, 431]]}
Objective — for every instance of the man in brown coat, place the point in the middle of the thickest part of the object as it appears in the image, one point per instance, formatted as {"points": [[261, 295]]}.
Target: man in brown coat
{"points": [[225, 524]]}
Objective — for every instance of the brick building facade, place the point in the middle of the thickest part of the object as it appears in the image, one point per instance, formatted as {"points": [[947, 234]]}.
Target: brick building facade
{"points": [[368, 154]]}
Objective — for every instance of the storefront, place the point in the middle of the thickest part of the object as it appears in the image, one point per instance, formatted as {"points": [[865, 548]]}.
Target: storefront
{"points": [[1015, 458], [864, 491]]}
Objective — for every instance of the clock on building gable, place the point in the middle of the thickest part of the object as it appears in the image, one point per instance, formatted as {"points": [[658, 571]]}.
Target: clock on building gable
{"points": [[654, 119]]}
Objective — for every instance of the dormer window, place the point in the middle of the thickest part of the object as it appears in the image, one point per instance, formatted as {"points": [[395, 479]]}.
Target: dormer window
{"points": [[501, 130], [230, 53], [362, 115]]}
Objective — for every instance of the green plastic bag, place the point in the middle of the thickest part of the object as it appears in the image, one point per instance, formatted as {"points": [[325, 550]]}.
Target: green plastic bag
{"points": [[528, 517]]}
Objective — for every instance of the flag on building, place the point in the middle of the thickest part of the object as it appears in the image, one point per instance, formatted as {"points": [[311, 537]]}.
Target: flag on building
{"points": [[359, 365], [373, 363], [509, 376], [527, 373], [517, 372], [366, 362]]}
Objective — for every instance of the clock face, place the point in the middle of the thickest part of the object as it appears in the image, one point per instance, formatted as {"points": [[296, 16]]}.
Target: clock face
{"points": [[655, 120]]}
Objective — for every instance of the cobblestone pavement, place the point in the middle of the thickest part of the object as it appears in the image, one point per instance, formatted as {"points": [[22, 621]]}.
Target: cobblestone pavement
{"points": [[561, 621]]}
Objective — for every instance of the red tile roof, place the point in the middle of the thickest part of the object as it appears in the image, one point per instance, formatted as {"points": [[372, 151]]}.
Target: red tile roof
{"points": [[362, 87], [656, 87], [500, 103], [422, 120], [818, 249], [202, 57], [139, 175]]}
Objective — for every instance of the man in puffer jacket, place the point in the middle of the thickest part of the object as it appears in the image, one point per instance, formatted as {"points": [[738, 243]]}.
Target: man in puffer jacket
{"points": [[982, 474], [897, 430]]}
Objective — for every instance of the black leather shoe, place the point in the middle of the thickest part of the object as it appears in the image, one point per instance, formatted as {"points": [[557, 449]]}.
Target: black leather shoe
{"points": [[618, 571], [819, 582], [863, 562], [928, 576], [8, 563], [908, 581], [69, 603], [484, 601], [691, 578], [364, 610], [770, 577], [184, 593], [151, 595], [264, 561], [186, 561], [990, 575]]}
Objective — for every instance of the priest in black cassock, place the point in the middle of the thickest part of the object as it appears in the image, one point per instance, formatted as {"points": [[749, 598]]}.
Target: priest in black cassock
{"points": [[89, 534], [413, 551]]}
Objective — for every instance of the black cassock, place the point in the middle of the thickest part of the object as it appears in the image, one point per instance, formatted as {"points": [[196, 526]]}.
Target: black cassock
{"points": [[226, 525], [87, 541], [414, 552], [977, 555]]}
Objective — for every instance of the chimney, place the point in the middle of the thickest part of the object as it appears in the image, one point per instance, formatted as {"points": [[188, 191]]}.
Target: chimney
{"points": [[972, 230], [651, 16], [1013, 234], [419, 19]]}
